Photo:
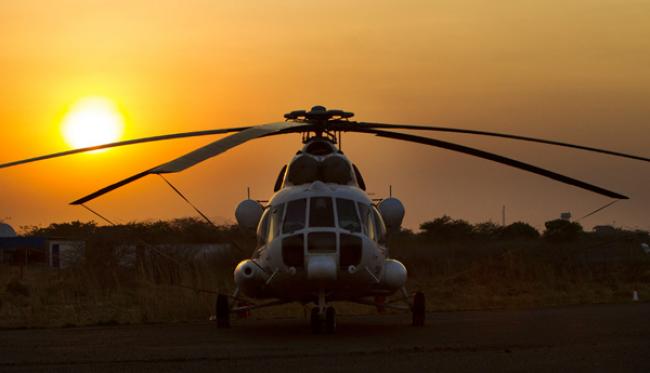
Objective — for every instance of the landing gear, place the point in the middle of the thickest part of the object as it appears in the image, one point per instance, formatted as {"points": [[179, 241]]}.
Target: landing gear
{"points": [[323, 323], [315, 321], [223, 311], [418, 309], [330, 320]]}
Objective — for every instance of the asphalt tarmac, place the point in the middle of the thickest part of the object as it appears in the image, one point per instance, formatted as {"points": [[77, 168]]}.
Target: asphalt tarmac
{"points": [[572, 339]]}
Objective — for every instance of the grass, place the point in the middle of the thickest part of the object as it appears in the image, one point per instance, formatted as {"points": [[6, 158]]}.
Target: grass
{"points": [[457, 274], [162, 292]]}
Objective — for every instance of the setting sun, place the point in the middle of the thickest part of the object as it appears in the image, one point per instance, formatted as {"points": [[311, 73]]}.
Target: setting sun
{"points": [[92, 121]]}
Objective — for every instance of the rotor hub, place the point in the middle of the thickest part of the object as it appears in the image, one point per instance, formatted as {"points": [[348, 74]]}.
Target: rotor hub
{"points": [[318, 114]]}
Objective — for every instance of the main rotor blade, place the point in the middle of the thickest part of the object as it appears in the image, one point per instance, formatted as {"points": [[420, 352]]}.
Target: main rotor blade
{"points": [[201, 154], [493, 157], [123, 143], [504, 135]]}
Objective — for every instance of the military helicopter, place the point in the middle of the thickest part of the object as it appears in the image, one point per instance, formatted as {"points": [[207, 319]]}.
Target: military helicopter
{"points": [[321, 238]]}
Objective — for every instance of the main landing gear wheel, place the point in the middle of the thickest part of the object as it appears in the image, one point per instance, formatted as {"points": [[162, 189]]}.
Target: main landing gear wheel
{"points": [[223, 311], [419, 309]]}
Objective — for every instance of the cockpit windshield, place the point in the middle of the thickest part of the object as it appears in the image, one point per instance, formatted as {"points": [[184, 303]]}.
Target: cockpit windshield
{"points": [[347, 214], [294, 218], [321, 212], [366, 221]]}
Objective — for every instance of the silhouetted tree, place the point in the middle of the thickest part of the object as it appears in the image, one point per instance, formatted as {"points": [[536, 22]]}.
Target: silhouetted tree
{"points": [[560, 230], [519, 230], [487, 230], [445, 228]]}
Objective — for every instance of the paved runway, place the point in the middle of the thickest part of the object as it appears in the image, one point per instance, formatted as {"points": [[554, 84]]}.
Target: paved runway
{"points": [[581, 338]]}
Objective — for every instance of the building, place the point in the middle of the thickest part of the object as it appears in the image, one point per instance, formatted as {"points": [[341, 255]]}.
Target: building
{"points": [[23, 251]]}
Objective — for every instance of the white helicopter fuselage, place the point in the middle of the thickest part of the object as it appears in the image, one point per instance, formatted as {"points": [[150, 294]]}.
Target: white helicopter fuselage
{"points": [[320, 238]]}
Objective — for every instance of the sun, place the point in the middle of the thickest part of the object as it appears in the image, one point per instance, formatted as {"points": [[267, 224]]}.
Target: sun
{"points": [[92, 121]]}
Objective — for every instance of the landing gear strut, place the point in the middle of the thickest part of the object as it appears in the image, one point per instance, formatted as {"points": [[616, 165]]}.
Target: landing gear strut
{"points": [[330, 320], [223, 311], [323, 322], [418, 309]]}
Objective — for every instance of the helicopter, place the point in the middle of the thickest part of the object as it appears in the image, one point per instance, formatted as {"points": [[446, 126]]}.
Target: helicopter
{"points": [[321, 238]]}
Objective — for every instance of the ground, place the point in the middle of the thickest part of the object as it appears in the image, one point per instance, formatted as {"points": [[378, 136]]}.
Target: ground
{"points": [[580, 338]]}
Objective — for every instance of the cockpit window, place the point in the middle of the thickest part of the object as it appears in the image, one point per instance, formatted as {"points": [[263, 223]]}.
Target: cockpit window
{"points": [[321, 212], [275, 218], [380, 227], [347, 214], [262, 229], [294, 219], [367, 221]]}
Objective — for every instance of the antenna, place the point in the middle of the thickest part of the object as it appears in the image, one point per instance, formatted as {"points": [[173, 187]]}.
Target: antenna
{"points": [[248, 192], [390, 190]]}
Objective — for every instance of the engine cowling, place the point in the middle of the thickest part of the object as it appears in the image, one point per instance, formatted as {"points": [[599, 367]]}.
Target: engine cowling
{"points": [[248, 213], [395, 274], [392, 211]]}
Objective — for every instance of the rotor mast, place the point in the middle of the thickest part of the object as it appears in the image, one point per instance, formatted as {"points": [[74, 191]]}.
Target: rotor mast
{"points": [[321, 118]]}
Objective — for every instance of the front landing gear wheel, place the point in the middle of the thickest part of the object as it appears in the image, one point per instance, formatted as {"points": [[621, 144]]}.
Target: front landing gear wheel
{"points": [[330, 320], [316, 322], [419, 309], [223, 311]]}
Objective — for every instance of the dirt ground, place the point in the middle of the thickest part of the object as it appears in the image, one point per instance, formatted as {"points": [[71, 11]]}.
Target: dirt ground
{"points": [[581, 338]]}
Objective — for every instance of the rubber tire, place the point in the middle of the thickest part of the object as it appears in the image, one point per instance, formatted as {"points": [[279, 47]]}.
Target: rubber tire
{"points": [[330, 320], [223, 311], [316, 322], [419, 309]]}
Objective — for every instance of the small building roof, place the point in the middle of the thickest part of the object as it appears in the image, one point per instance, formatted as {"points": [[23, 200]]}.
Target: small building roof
{"points": [[7, 231]]}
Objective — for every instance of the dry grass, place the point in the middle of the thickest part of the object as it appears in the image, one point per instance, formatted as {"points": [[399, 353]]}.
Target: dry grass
{"points": [[168, 287]]}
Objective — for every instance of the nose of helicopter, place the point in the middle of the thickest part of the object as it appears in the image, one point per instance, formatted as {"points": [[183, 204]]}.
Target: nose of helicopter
{"points": [[321, 267]]}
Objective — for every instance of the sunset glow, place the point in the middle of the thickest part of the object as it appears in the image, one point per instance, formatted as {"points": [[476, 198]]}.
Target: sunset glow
{"points": [[92, 121], [76, 73]]}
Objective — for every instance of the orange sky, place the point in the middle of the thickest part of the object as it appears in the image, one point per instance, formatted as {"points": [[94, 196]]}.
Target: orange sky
{"points": [[575, 71]]}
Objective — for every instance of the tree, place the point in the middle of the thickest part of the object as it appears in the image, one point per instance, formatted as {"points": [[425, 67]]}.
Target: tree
{"points": [[445, 228], [519, 230], [560, 230], [488, 230]]}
